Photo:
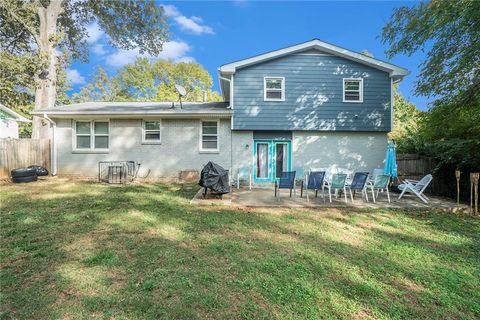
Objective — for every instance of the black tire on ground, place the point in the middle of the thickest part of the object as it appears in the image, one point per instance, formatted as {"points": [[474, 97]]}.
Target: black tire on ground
{"points": [[23, 172], [41, 171], [24, 179]]}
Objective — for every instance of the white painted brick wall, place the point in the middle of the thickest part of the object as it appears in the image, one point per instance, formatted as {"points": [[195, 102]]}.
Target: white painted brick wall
{"points": [[352, 150], [179, 148]]}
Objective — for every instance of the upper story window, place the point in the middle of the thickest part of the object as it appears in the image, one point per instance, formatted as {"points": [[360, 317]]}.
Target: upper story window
{"points": [[151, 131], [353, 90], [91, 135], [209, 136], [274, 89]]}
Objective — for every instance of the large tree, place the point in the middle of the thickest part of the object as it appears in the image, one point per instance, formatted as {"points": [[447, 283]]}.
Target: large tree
{"points": [[146, 80], [449, 31], [50, 31]]}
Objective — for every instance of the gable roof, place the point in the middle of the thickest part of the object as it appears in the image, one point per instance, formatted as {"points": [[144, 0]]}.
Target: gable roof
{"points": [[396, 72], [14, 116]]}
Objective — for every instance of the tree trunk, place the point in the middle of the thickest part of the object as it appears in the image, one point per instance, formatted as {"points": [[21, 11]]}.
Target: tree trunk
{"points": [[46, 91]]}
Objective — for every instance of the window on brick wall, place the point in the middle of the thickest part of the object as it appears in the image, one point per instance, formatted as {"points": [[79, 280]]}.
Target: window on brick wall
{"points": [[151, 131], [209, 136], [91, 135]]}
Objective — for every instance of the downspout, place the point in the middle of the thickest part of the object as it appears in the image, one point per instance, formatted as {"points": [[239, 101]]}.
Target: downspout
{"points": [[230, 81], [54, 145]]}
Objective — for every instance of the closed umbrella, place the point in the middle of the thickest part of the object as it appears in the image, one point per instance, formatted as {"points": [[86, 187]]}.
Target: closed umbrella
{"points": [[391, 160]]}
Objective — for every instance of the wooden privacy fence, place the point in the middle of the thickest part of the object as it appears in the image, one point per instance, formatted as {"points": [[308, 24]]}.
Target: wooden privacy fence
{"points": [[413, 166], [17, 153]]}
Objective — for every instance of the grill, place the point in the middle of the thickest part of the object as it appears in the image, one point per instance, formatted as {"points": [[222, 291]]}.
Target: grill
{"points": [[215, 178]]}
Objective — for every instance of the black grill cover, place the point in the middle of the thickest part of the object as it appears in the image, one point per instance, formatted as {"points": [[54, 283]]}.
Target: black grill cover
{"points": [[215, 178]]}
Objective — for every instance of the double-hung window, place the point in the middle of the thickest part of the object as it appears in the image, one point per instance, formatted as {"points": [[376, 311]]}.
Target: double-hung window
{"points": [[353, 90], [91, 135], [151, 131], [209, 136], [274, 89]]}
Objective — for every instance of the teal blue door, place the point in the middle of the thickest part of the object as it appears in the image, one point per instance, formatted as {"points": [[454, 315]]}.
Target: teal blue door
{"points": [[271, 157]]}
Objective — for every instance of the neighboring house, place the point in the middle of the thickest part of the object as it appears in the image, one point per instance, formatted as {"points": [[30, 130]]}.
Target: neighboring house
{"points": [[9, 120], [305, 106]]}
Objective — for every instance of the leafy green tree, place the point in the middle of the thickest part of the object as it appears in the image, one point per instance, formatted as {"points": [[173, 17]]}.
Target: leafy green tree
{"points": [[406, 119], [101, 88], [450, 33], [52, 30], [150, 81], [448, 133]]}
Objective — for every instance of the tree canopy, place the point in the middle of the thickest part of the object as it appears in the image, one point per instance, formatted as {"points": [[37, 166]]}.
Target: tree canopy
{"points": [[48, 33], [450, 33], [146, 80]]}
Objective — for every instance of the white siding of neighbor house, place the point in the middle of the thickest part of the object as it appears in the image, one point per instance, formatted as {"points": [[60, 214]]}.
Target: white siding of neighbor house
{"points": [[8, 128], [178, 150], [352, 150]]}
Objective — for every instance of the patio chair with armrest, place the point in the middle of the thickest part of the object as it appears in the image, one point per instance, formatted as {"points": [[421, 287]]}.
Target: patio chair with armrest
{"points": [[287, 181], [338, 183], [375, 172], [358, 184], [244, 173], [416, 187], [314, 181], [380, 184]]}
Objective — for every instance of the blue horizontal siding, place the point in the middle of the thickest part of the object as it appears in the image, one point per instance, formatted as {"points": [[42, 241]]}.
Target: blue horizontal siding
{"points": [[313, 96]]}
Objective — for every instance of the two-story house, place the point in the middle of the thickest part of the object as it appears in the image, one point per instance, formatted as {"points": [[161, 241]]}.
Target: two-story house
{"points": [[309, 105]]}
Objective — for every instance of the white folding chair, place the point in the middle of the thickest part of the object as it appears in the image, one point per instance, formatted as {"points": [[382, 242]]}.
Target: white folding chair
{"points": [[416, 187], [244, 173]]}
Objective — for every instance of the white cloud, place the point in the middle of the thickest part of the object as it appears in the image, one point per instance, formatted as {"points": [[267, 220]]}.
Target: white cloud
{"points": [[74, 77], [173, 50], [99, 49], [94, 33], [170, 10], [185, 59], [193, 24]]}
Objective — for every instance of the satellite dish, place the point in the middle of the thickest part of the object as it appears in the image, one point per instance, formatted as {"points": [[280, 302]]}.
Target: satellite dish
{"points": [[181, 90], [181, 93]]}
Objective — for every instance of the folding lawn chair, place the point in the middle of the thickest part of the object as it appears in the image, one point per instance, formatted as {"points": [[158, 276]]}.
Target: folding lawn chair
{"points": [[416, 187], [380, 183], [287, 181], [337, 183], [358, 184], [314, 181]]}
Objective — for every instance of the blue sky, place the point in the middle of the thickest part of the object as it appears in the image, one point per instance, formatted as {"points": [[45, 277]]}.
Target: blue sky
{"points": [[215, 33]]}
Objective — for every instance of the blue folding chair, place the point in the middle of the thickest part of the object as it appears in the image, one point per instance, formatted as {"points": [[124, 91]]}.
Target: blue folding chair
{"points": [[287, 181], [315, 181], [358, 184]]}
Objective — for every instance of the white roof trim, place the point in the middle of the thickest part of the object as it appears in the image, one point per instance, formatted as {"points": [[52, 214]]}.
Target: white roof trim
{"points": [[16, 116], [394, 70]]}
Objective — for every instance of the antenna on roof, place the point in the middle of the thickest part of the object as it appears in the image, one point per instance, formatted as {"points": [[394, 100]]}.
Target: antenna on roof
{"points": [[181, 93]]}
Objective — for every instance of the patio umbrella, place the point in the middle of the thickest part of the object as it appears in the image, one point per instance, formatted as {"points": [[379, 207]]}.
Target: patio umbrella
{"points": [[391, 160]]}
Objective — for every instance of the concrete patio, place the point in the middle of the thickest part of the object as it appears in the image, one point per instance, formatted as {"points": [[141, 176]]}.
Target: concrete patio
{"points": [[263, 196]]}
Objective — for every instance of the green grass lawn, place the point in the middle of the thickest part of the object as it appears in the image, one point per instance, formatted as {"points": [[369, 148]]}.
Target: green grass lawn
{"points": [[75, 250]]}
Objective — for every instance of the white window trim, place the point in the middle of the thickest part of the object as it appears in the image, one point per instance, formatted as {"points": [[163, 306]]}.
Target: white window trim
{"points": [[144, 131], [92, 137], [202, 150], [282, 90], [361, 90]]}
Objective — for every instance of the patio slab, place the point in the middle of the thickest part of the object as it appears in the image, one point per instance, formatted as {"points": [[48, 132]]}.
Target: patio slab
{"points": [[264, 197]]}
